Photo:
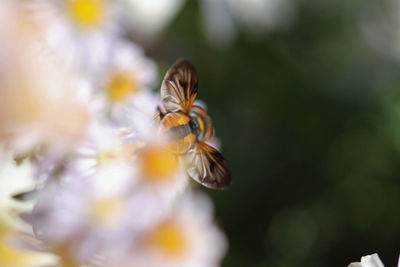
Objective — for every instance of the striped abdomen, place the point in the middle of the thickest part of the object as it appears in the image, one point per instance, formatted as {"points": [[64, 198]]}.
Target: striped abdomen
{"points": [[184, 130]]}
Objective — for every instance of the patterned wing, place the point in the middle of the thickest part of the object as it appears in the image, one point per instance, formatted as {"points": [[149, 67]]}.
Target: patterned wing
{"points": [[179, 87], [206, 165]]}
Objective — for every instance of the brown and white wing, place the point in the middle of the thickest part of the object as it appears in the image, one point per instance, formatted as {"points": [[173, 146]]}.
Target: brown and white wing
{"points": [[179, 86], [206, 165]]}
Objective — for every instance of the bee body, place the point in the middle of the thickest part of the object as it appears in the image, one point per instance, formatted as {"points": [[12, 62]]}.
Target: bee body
{"points": [[188, 127], [185, 130]]}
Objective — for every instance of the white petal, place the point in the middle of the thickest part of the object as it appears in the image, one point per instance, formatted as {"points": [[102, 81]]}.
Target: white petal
{"points": [[368, 261]]}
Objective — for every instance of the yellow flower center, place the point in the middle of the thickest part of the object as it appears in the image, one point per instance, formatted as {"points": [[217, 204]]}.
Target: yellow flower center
{"points": [[107, 210], [86, 13], [169, 239], [158, 164], [120, 85]]}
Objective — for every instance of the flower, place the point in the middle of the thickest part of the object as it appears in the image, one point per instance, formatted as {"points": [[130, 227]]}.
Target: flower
{"points": [[80, 218], [182, 238], [13, 255], [103, 145], [13, 231], [13, 181], [114, 187], [369, 261], [77, 109], [123, 85], [151, 167], [35, 89], [161, 172], [81, 30], [128, 72]]}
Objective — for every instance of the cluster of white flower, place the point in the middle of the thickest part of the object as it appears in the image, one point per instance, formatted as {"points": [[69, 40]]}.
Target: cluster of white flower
{"points": [[87, 180]]}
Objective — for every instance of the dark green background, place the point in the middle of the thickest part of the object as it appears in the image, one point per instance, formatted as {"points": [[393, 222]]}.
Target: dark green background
{"points": [[309, 119]]}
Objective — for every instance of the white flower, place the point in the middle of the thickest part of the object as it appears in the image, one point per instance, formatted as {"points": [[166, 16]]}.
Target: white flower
{"points": [[369, 261], [161, 172], [139, 147], [14, 255], [187, 237], [76, 100], [115, 184], [127, 57], [85, 216], [15, 180], [138, 114], [123, 85], [35, 89], [152, 168], [103, 145], [82, 30]]}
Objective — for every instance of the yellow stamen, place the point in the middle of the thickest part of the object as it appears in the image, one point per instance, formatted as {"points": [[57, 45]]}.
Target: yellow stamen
{"points": [[121, 84], [86, 13], [168, 239], [158, 164]]}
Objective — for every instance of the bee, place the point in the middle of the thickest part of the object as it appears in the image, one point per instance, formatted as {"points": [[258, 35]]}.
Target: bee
{"points": [[189, 127]]}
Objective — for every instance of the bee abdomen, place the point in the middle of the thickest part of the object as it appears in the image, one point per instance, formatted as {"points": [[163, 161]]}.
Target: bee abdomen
{"points": [[177, 127], [202, 123]]}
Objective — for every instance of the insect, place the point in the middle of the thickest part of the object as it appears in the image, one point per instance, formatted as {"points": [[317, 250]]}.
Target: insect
{"points": [[189, 127]]}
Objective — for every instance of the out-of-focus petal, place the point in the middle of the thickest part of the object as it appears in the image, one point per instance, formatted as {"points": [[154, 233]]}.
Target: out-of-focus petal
{"points": [[183, 238], [149, 17], [368, 261]]}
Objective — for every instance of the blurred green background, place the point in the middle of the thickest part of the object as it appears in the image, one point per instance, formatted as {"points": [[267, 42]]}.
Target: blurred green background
{"points": [[309, 120]]}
